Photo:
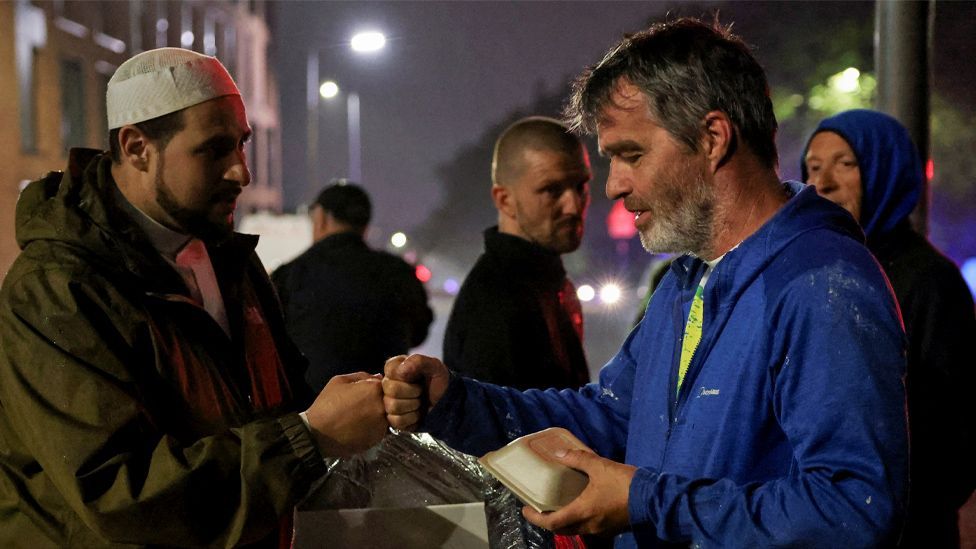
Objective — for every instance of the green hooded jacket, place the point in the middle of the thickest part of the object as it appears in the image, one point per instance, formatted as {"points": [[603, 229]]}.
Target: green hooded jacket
{"points": [[127, 415]]}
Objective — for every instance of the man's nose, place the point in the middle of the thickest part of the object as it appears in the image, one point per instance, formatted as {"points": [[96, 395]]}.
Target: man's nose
{"points": [[572, 202], [823, 181], [617, 183], [239, 172]]}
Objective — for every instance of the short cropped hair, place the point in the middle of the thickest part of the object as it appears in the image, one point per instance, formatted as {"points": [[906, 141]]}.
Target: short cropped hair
{"points": [[159, 130], [531, 133], [686, 68], [347, 202]]}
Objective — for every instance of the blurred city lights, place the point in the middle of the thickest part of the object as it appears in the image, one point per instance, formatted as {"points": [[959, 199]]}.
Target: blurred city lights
{"points": [[610, 293], [847, 81], [423, 273], [328, 89], [451, 286], [585, 292], [186, 39], [368, 41], [398, 240]]}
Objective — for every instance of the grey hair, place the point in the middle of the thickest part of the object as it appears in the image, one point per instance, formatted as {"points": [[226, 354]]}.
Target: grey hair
{"points": [[686, 68]]}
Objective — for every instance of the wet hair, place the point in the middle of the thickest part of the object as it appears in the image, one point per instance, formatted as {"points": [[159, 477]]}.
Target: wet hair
{"points": [[535, 133], [347, 202], [686, 68], [159, 130]]}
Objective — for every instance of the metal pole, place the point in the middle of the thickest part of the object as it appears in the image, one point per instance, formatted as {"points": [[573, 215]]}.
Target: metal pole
{"points": [[355, 140], [312, 116], [902, 54]]}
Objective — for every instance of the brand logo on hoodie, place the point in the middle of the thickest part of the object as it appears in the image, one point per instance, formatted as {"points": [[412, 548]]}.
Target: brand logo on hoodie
{"points": [[703, 392]]}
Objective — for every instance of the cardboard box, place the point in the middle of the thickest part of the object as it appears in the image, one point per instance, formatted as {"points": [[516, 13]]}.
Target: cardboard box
{"points": [[457, 526]]}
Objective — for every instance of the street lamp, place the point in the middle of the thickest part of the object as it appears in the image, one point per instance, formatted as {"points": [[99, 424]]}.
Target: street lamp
{"points": [[328, 89], [363, 42], [368, 41]]}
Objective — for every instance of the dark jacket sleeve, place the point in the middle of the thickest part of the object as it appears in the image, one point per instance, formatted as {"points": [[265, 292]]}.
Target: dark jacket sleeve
{"points": [[73, 363]]}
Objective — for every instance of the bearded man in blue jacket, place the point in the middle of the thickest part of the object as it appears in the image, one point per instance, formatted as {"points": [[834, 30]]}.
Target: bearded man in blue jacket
{"points": [[761, 400]]}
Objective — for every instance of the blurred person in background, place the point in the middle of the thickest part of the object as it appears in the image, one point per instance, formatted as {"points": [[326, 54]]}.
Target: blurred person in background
{"points": [[516, 320], [349, 307], [865, 161]]}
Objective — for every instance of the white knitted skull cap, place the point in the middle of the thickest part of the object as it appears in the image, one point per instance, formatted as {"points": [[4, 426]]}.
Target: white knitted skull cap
{"points": [[163, 81]]}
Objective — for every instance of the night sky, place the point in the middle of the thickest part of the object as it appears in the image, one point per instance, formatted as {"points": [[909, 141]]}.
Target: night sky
{"points": [[449, 71]]}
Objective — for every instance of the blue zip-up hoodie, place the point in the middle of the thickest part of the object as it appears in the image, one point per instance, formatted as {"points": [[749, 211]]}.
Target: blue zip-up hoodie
{"points": [[790, 426]]}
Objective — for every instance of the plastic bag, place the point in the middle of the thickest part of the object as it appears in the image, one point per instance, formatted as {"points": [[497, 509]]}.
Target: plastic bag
{"points": [[417, 470]]}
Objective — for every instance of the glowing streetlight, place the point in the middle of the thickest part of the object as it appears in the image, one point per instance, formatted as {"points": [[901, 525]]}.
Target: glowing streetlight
{"points": [[610, 293], [398, 240], [364, 42], [847, 81], [585, 292], [328, 89], [368, 41]]}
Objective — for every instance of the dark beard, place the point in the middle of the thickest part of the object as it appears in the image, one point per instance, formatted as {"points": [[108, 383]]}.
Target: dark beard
{"points": [[191, 222]]}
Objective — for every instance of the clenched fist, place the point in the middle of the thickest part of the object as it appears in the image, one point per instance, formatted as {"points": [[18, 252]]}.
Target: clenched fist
{"points": [[348, 416]]}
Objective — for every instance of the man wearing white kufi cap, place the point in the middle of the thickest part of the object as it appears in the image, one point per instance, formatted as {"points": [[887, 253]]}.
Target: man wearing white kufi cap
{"points": [[149, 393]]}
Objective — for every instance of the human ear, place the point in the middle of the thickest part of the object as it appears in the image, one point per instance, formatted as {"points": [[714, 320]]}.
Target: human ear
{"points": [[718, 139], [501, 195], [134, 147], [319, 219]]}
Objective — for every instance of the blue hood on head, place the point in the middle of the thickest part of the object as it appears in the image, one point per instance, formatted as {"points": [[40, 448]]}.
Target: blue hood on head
{"points": [[891, 169]]}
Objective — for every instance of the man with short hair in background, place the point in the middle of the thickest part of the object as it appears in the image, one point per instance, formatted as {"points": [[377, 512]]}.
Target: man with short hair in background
{"points": [[349, 307], [516, 320], [150, 395]]}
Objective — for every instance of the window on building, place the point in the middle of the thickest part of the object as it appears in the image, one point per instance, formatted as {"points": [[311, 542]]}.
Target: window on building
{"points": [[115, 19], [102, 122], [30, 31], [28, 104], [73, 129], [77, 11]]}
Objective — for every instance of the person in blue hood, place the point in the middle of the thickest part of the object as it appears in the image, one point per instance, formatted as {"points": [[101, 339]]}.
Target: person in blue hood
{"points": [[761, 400], [866, 162]]}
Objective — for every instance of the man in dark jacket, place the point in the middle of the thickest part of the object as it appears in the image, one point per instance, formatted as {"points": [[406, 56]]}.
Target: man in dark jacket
{"points": [[866, 162], [516, 320], [348, 307], [150, 394]]}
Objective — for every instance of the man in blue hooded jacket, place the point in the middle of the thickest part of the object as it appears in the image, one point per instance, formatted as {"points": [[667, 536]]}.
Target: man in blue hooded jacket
{"points": [[866, 162], [760, 402]]}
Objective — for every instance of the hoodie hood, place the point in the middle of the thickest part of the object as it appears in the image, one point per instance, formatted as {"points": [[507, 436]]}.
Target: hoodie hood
{"points": [[890, 166], [76, 209]]}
